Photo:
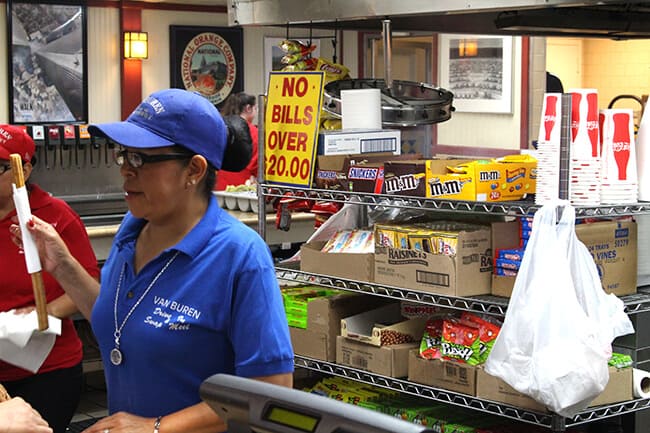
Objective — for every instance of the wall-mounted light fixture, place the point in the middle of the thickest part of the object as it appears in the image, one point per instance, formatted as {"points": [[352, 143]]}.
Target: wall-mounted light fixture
{"points": [[136, 45]]}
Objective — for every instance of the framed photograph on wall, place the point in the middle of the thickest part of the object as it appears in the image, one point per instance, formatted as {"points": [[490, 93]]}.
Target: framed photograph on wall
{"points": [[273, 55], [47, 62], [208, 60], [478, 71]]}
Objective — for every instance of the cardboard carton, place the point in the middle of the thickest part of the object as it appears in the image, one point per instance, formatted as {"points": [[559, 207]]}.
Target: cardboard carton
{"points": [[353, 266], [507, 179], [504, 235], [405, 178], [465, 274], [389, 361], [439, 373], [324, 316], [612, 244], [382, 325], [359, 141], [619, 388]]}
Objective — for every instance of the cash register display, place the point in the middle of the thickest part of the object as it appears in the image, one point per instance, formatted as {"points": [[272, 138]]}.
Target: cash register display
{"points": [[251, 406], [291, 418]]}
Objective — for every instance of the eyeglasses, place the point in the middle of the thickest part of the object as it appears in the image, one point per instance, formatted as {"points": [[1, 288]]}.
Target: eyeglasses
{"points": [[138, 159], [4, 168]]}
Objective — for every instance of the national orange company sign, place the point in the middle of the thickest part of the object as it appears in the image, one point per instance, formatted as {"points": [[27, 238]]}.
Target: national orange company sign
{"points": [[208, 66]]}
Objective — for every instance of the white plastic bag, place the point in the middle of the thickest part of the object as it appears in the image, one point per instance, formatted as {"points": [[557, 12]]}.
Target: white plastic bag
{"points": [[556, 337]]}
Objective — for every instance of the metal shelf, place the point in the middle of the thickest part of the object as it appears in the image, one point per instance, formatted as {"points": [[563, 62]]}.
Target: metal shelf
{"points": [[486, 304], [520, 208], [552, 421]]}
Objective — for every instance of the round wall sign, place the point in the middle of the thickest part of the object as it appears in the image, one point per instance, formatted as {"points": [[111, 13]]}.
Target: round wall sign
{"points": [[208, 67]]}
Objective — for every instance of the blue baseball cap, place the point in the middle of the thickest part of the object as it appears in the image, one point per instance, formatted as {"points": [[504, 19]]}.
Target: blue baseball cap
{"points": [[168, 117]]}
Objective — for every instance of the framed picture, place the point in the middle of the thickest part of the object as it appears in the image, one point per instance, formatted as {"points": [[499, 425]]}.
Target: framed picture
{"points": [[209, 60], [478, 71], [47, 62], [273, 55]]}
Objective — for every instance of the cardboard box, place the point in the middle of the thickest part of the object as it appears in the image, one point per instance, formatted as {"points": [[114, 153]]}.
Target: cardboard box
{"points": [[313, 344], [439, 373], [365, 178], [359, 141], [332, 170], [389, 361], [504, 235], [506, 179], [613, 245], [619, 388], [324, 316], [405, 178], [360, 267], [381, 324], [465, 274]]}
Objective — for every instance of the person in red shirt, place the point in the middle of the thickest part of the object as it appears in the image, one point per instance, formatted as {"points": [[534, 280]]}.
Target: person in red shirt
{"points": [[54, 391], [244, 105]]}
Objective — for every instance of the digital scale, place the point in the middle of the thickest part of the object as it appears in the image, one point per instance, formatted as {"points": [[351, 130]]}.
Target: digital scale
{"points": [[251, 406]]}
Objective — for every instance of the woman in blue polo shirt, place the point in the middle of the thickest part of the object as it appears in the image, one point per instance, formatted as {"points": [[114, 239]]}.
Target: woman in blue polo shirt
{"points": [[187, 291]]}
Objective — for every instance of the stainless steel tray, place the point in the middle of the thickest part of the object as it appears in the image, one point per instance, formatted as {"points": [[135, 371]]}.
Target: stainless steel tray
{"points": [[406, 103]]}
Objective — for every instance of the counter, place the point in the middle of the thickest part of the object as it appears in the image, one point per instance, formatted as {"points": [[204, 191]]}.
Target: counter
{"points": [[302, 226]]}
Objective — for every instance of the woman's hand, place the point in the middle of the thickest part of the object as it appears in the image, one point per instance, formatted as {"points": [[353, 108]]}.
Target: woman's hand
{"points": [[122, 422], [17, 416], [51, 248]]}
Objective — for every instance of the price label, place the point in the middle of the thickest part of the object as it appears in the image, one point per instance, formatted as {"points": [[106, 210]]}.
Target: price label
{"points": [[291, 121]]}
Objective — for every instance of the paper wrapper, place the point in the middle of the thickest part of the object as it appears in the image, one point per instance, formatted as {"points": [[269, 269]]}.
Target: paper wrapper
{"points": [[21, 344]]}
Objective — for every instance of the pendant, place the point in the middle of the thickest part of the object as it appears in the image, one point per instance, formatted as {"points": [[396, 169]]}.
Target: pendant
{"points": [[116, 356]]}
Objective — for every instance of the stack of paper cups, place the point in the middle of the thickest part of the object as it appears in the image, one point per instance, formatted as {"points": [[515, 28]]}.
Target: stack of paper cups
{"points": [[619, 166], [548, 149], [643, 156], [584, 123], [584, 152], [361, 108]]}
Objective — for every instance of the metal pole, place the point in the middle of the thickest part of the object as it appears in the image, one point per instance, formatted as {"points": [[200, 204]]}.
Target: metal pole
{"points": [[388, 53], [261, 200]]}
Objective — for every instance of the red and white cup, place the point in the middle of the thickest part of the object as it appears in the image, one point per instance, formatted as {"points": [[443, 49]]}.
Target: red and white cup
{"points": [[585, 139], [549, 127], [618, 148]]}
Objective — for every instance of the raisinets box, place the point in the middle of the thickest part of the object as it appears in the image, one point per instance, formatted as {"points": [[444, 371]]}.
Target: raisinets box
{"points": [[383, 326], [465, 274]]}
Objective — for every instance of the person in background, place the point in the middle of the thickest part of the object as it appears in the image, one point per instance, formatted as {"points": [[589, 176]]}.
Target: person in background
{"points": [[244, 105], [187, 291], [54, 391], [553, 84], [17, 416]]}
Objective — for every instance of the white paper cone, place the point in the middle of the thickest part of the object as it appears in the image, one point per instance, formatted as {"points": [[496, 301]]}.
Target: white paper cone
{"points": [[21, 201], [643, 156], [361, 109]]}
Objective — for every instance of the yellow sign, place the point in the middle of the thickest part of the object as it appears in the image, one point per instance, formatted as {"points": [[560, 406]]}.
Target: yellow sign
{"points": [[291, 122]]}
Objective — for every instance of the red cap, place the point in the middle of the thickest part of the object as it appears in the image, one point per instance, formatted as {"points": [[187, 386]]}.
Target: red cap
{"points": [[15, 140]]}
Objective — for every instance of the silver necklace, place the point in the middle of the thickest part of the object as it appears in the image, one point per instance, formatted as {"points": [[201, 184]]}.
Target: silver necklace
{"points": [[116, 354]]}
